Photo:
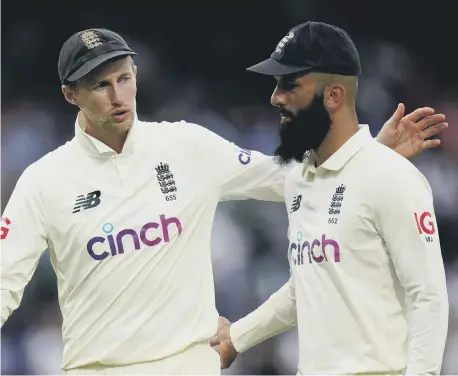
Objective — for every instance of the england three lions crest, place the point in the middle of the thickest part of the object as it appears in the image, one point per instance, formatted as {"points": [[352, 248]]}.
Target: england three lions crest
{"points": [[336, 202], [166, 181]]}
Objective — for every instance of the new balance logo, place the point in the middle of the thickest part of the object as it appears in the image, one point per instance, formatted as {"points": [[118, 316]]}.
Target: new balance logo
{"points": [[91, 200], [296, 203]]}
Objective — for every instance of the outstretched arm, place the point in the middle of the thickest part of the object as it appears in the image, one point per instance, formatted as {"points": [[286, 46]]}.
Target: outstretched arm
{"points": [[275, 316]]}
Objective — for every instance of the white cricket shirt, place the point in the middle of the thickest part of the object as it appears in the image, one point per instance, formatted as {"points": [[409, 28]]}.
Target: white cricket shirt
{"points": [[367, 283], [129, 236]]}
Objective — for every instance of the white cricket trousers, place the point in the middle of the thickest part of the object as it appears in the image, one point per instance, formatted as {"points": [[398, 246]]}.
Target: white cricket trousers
{"points": [[199, 359]]}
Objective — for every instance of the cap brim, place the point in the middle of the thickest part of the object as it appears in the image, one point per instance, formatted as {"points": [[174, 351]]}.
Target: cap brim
{"points": [[272, 67], [94, 63]]}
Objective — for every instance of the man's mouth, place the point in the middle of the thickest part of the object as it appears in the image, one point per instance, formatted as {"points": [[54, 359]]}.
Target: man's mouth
{"points": [[284, 116], [119, 113], [284, 113]]}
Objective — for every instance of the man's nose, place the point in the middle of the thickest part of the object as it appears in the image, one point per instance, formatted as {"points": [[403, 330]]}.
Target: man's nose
{"points": [[278, 98]]}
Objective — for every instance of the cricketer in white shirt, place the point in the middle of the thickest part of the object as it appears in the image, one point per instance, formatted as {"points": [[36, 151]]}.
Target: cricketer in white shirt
{"points": [[367, 288], [129, 237], [129, 226]]}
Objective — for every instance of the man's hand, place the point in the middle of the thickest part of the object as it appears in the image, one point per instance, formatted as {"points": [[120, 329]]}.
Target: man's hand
{"points": [[222, 340], [407, 135]]}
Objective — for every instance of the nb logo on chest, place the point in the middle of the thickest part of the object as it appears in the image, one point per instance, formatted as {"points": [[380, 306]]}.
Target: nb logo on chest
{"points": [[91, 200], [296, 204]]}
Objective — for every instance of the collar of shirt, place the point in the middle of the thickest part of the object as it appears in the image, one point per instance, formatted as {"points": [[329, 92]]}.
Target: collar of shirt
{"points": [[95, 147], [336, 161]]}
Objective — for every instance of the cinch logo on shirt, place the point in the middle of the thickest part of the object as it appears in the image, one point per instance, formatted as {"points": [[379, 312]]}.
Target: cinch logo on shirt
{"points": [[146, 235], [316, 251], [245, 156]]}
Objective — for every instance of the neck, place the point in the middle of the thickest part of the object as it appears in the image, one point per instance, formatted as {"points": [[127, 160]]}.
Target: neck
{"points": [[342, 129], [113, 140]]}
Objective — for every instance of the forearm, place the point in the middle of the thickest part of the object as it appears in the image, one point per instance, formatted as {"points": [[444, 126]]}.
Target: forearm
{"points": [[427, 334], [23, 240], [273, 317], [14, 279]]}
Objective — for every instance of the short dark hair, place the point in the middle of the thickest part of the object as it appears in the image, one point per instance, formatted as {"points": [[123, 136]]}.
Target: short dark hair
{"points": [[72, 84]]}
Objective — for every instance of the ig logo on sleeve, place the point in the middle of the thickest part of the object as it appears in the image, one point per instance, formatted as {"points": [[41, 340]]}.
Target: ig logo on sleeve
{"points": [[425, 225], [4, 222]]}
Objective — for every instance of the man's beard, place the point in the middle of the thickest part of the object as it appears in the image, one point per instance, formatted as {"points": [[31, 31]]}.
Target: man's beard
{"points": [[104, 123], [304, 131]]}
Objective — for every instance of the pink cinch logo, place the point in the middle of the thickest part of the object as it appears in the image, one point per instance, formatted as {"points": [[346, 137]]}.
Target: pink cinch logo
{"points": [[148, 235], [316, 251]]}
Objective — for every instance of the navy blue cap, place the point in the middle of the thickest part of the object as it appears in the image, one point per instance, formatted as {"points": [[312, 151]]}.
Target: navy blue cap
{"points": [[86, 50], [312, 47]]}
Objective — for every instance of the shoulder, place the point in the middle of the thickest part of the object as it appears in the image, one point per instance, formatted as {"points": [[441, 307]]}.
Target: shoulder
{"points": [[178, 130], [40, 173], [189, 139], [386, 168], [293, 175], [50, 163]]}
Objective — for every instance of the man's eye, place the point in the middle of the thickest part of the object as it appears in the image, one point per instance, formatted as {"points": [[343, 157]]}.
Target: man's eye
{"points": [[100, 86], [288, 85]]}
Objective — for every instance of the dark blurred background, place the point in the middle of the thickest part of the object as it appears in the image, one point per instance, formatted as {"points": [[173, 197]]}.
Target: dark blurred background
{"points": [[192, 60]]}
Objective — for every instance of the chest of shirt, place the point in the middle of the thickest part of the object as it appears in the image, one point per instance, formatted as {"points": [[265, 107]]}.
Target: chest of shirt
{"points": [[105, 207], [331, 221]]}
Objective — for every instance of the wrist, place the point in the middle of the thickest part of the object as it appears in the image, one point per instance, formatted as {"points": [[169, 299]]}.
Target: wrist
{"points": [[235, 338], [232, 348]]}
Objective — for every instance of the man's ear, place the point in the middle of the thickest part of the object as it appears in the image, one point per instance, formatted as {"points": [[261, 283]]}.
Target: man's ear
{"points": [[334, 96], [69, 94]]}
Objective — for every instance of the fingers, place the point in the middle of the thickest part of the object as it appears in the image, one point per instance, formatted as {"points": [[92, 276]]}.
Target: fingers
{"points": [[429, 144], [400, 111], [398, 114], [222, 321], [428, 121], [420, 113], [434, 130], [214, 341]]}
